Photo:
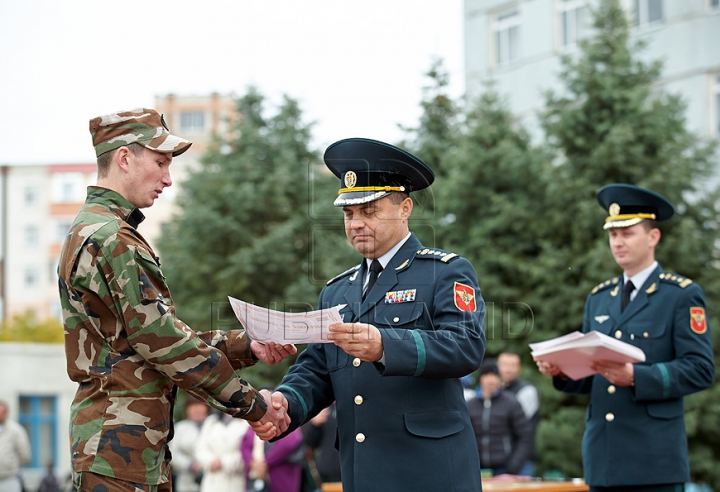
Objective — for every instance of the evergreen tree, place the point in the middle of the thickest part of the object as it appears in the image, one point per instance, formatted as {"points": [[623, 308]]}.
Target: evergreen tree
{"points": [[255, 223], [613, 124], [434, 140], [490, 208]]}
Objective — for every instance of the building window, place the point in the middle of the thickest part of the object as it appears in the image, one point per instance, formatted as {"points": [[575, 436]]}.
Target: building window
{"points": [[574, 21], [53, 274], [647, 12], [192, 121], [38, 414], [31, 195], [31, 277], [68, 188], [31, 236], [506, 33]]}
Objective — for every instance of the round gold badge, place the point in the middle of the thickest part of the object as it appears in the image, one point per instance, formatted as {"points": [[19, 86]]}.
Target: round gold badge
{"points": [[350, 179], [614, 209]]}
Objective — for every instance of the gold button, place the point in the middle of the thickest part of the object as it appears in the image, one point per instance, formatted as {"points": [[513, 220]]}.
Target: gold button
{"points": [[611, 389], [358, 400], [360, 437], [356, 362], [609, 417], [618, 334], [646, 334], [396, 319]]}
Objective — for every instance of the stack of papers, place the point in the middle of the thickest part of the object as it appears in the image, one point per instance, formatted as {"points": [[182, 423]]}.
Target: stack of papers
{"points": [[573, 353]]}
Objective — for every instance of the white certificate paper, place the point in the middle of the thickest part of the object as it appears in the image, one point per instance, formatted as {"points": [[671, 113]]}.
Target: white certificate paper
{"points": [[266, 325]]}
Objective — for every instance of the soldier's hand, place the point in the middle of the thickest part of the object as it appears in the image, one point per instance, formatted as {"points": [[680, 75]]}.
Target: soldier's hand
{"points": [[548, 369], [618, 373], [359, 340], [270, 352], [276, 420]]}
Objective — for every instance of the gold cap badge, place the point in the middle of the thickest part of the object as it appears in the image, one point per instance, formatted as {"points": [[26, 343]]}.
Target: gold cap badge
{"points": [[350, 179]]}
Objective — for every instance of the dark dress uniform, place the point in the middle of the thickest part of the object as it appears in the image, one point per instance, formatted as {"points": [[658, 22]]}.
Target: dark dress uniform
{"points": [[635, 435], [402, 425]]}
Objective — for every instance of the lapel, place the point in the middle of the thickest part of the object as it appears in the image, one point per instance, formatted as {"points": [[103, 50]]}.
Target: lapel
{"points": [[388, 278], [353, 292], [641, 299]]}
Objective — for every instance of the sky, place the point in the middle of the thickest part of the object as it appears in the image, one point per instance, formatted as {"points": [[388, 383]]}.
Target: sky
{"points": [[355, 66]]}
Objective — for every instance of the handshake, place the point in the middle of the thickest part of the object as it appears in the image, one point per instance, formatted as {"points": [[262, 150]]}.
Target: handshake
{"points": [[276, 420]]}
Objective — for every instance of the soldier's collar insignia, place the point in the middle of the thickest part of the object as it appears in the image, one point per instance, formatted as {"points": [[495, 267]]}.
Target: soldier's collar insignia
{"points": [[400, 296]]}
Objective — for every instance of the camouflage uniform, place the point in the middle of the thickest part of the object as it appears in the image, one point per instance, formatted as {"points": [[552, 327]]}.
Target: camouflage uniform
{"points": [[128, 352]]}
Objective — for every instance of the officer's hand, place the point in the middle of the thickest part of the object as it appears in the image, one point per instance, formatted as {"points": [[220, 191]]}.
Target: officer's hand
{"points": [[618, 373], [549, 369], [359, 340], [321, 417], [270, 352], [276, 420]]}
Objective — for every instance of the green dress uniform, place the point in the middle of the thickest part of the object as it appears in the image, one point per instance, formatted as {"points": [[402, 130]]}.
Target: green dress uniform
{"points": [[403, 423], [635, 435]]}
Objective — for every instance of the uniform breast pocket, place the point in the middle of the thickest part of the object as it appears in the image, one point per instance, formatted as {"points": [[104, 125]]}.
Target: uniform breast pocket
{"points": [[651, 337], [403, 315], [150, 279]]}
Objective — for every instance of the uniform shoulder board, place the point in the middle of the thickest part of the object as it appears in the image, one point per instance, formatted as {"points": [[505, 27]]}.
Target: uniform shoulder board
{"points": [[604, 285], [436, 254], [675, 279], [345, 273]]}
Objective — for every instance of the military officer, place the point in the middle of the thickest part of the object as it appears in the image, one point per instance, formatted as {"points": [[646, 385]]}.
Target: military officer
{"points": [[635, 431], [126, 349], [413, 326]]}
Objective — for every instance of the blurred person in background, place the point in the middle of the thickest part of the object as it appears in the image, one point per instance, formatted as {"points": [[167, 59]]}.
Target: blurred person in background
{"points": [[218, 452], [319, 435], [274, 466], [187, 471], [503, 433], [526, 394], [14, 451]]}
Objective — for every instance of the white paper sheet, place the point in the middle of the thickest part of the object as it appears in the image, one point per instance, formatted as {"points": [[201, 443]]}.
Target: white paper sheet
{"points": [[267, 325]]}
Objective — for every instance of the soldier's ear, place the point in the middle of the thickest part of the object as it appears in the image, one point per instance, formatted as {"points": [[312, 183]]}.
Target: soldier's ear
{"points": [[121, 159], [406, 208], [655, 235]]}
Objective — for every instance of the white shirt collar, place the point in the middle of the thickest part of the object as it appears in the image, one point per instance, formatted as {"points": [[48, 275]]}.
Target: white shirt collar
{"points": [[385, 259], [639, 278]]}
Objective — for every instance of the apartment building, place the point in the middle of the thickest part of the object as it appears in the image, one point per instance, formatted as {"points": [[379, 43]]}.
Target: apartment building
{"points": [[518, 43]]}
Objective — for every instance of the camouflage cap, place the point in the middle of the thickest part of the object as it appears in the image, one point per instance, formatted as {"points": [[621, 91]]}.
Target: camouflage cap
{"points": [[143, 126]]}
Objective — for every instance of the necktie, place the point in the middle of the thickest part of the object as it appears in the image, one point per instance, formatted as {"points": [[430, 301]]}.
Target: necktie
{"points": [[375, 269], [627, 290]]}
